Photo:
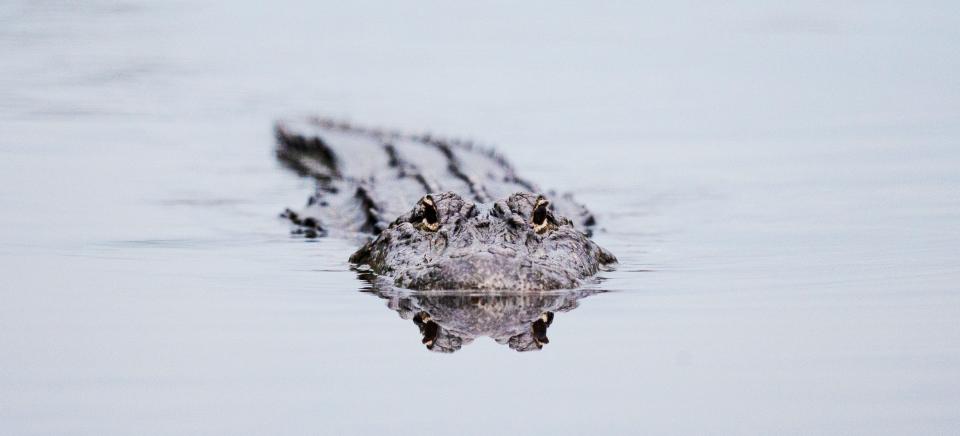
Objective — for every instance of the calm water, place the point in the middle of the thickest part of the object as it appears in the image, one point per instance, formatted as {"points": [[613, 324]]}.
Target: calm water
{"points": [[780, 183]]}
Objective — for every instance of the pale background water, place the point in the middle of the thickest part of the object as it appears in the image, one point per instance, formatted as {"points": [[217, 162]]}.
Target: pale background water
{"points": [[781, 183]]}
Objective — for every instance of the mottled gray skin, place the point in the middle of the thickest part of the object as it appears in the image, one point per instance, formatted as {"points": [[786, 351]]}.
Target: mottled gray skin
{"points": [[483, 246], [466, 221]]}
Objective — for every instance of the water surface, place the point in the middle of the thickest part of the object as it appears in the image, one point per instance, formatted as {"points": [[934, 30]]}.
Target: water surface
{"points": [[780, 184]]}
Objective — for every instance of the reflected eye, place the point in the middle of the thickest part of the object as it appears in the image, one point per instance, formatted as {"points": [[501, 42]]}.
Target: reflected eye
{"points": [[431, 220], [539, 216]]}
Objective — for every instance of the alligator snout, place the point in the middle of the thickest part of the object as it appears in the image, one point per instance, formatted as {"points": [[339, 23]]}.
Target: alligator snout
{"points": [[493, 271], [449, 243]]}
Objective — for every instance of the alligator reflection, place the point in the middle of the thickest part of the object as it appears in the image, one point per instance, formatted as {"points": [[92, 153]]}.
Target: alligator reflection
{"points": [[448, 321]]}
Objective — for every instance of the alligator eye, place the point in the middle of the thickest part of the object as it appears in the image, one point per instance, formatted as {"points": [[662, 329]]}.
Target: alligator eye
{"points": [[431, 220], [539, 216]]}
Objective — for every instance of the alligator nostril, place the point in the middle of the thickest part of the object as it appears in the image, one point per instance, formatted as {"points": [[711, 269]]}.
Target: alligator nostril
{"points": [[499, 209]]}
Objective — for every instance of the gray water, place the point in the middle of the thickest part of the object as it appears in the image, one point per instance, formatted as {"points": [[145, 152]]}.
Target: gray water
{"points": [[781, 184]]}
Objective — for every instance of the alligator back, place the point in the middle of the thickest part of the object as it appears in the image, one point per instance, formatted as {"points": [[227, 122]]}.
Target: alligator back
{"points": [[368, 177]]}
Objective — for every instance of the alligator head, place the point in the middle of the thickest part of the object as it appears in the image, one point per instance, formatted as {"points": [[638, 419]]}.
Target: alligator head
{"points": [[448, 242]]}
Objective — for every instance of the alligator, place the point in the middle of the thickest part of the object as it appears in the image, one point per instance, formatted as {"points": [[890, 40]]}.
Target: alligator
{"points": [[439, 213]]}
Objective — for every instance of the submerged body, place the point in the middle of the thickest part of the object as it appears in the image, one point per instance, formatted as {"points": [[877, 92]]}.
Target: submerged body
{"points": [[442, 214]]}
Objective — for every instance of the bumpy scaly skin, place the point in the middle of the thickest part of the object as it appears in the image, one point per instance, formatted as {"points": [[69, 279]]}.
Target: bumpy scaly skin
{"points": [[367, 177], [483, 246]]}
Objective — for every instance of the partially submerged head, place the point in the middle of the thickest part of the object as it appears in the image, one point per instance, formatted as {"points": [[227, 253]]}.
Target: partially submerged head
{"points": [[448, 242]]}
